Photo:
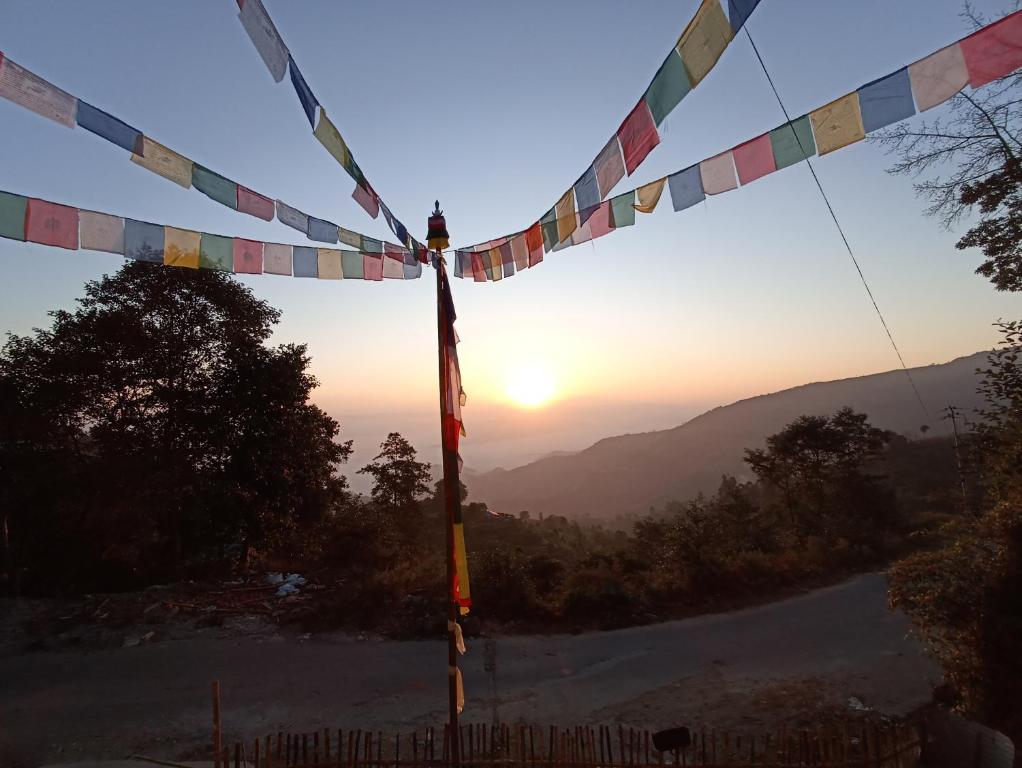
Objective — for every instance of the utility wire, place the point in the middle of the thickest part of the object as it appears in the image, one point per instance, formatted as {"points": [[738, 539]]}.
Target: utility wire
{"points": [[840, 230]]}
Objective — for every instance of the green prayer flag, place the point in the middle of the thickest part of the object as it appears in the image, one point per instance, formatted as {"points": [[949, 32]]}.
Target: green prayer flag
{"points": [[224, 191], [351, 265], [785, 145], [549, 226], [216, 252], [12, 216], [622, 210], [668, 87]]}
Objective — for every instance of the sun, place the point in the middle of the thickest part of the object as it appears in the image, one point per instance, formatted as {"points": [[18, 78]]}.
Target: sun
{"points": [[530, 387]]}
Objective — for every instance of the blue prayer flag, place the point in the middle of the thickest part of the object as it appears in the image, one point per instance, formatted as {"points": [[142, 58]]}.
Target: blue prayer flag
{"points": [[686, 188], [305, 262], [587, 194], [305, 95], [109, 127], [886, 101], [322, 231], [739, 11], [143, 241], [413, 271]]}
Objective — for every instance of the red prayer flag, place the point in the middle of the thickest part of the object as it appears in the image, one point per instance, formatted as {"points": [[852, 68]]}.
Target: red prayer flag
{"points": [[248, 257], [394, 252], [994, 51], [599, 222], [638, 136], [51, 224], [255, 204], [367, 198], [754, 158], [478, 272], [534, 239], [372, 266]]}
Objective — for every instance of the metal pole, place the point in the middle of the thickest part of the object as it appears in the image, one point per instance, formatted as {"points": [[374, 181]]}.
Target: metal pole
{"points": [[952, 415], [452, 492]]}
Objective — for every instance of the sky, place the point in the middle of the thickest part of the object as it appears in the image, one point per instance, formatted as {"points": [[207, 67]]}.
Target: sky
{"points": [[495, 109]]}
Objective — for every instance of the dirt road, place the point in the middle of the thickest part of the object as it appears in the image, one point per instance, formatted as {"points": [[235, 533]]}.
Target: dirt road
{"points": [[750, 668]]}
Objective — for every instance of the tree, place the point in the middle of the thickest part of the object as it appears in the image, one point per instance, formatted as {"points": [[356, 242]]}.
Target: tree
{"points": [[969, 157], [399, 480], [181, 433]]}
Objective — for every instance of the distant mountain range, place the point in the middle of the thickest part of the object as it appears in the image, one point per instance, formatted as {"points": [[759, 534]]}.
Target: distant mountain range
{"points": [[628, 474]]}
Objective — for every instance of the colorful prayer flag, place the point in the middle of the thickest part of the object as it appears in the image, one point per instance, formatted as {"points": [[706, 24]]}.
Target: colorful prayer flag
{"points": [[346, 236], [329, 264], [305, 95], [610, 166], [108, 127], [413, 271], [837, 124], [549, 226], [478, 270], [587, 191], [599, 223], [12, 215], [367, 198], [686, 188], [649, 195], [718, 174], [534, 240], [669, 87], [459, 263], [277, 259], [507, 260], [254, 204], [330, 138], [393, 269], [216, 252], [101, 232], [372, 266], [321, 231], [181, 247], [265, 37], [143, 241], [994, 51], [215, 186], [582, 234], [495, 272], [305, 261], [166, 162], [938, 77], [51, 224], [793, 142], [886, 101], [622, 210], [566, 221], [292, 217], [739, 11], [754, 158], [704, 40], [352, 265], [638, 136], [248, 256], [520, 252], [35, 94]]}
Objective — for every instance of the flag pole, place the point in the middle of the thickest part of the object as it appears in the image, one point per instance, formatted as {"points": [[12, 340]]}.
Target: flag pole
{"points": [[452, 497]]}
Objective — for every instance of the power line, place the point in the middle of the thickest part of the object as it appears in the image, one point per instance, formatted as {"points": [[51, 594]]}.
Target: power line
{"points": [[840, 230]]}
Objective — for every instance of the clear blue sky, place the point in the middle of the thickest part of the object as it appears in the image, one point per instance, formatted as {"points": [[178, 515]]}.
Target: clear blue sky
{"points": [[496, 108]]}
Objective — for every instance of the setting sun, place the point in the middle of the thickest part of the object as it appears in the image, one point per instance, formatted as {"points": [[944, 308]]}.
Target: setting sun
{"points": [[530, 387]]}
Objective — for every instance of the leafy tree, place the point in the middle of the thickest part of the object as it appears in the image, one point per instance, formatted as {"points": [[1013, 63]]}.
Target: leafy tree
{"points": [[181, 433], [399, 481]]}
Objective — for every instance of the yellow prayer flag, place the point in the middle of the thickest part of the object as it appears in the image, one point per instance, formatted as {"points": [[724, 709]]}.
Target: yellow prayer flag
{"points": [[181, 247], [166, 162], [331, 138], [498, 270], [565, 212], [329, 264], [461, 564], [704, 40], [837, 124], [649, 196]]}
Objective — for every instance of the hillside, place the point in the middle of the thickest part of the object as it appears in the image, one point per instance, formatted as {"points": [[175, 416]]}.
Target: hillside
{"points": [[629, 473]]}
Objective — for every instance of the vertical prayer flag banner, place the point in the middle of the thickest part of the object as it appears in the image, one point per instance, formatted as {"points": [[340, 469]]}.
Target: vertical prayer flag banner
{"points": [[277, 259], [305, 95], [322, 231], [35, 94], [610, 166], [255, 204], [520, 252], [305, 261], [51, 224], [718, 174], [566, 221], [166, 162], [622, 210], [372, 266], [12, 216], [638, 136], [587, 191], [837, 124], [352, 266], [215, 186], [181, 247], [938, 77], [265, 37], [686, 188], [143, 241], [649, 195], [328, 264], [101, 232], [994, 51], [704, 40], [108, 127], [793, 142], [886, 101], [754, 158], [534, 241], [366, 197], [739, 11], [331, 138], [292, 217], [216, 252], [669, 87], [247, 256]]}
